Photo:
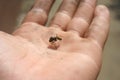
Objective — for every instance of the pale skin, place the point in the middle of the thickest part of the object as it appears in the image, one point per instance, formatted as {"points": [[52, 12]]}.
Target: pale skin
{"points": [[83, 27]]}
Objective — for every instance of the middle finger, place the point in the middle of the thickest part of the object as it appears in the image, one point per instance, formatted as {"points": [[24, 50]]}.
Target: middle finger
{"points": [[82, 17]]}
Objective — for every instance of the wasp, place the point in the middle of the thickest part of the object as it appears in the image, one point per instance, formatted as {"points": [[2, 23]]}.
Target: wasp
{"points": [[54, 39]]}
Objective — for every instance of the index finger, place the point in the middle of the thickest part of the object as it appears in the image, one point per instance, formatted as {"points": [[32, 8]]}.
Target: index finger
{"points": [[99, 28]]}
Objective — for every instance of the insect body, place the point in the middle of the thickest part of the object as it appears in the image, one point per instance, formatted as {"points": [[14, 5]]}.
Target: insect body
{"points": [[54, 42], [54, 39]]}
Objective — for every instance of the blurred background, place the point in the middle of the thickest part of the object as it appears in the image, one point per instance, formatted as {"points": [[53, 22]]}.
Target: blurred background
{"points": [[12, 13]]}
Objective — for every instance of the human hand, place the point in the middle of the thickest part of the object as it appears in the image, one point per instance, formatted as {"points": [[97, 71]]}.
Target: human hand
{"points": [[27, 54]]}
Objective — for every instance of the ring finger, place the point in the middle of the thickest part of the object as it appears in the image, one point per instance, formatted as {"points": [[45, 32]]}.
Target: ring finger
{"points": [[64, 14]]}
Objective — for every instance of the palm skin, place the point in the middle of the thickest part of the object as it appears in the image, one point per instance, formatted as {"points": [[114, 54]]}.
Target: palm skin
{"points": [[27, 53]]}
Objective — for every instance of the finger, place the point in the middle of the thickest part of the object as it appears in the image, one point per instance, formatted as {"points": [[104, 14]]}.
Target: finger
{"points": [[65, 13], [100, 26], [83, 17], [39, 12]]}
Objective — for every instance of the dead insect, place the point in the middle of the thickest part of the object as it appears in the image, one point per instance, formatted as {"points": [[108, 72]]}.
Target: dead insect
{"points": [[54, 39]]}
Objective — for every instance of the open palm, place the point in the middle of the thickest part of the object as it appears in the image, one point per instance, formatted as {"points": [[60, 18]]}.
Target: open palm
{"points": [[28, 54]]}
